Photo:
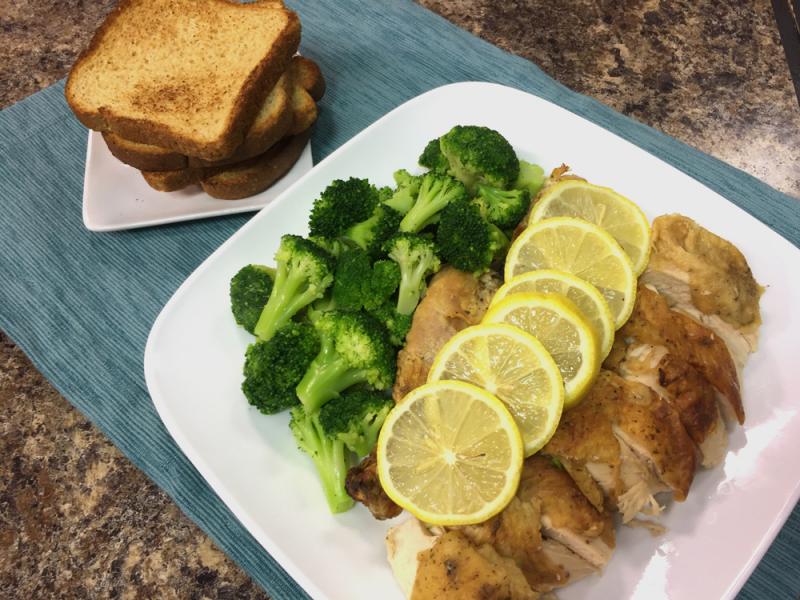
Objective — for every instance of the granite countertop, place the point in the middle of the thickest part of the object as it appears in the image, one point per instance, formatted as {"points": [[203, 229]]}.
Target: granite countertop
{"points": [[78, 520]]}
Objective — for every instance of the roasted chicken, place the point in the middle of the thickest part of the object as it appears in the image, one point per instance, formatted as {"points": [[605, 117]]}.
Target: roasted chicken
{"points": [[707, 278]]}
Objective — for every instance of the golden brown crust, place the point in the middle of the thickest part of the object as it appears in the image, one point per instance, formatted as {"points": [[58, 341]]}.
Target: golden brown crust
{"points": [[255, 175], [144, 157], [172, 181], [247, 102]]}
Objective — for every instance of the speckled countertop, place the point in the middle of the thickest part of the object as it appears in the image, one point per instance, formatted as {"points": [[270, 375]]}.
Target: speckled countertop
{"points": [[77, 520]]}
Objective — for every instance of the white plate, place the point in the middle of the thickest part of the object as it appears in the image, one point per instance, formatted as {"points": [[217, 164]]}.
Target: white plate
{"points": [[116, 196], [715, 538]]}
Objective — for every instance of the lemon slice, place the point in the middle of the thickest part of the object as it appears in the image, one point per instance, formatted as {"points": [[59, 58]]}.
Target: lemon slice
{"points": [[578, 247], [515, 367], [605, 208], [450, 453], [562, 331], [582, 294]]}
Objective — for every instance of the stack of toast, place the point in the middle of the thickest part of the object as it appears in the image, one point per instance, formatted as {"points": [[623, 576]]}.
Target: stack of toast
{"points": [[206, 92]]}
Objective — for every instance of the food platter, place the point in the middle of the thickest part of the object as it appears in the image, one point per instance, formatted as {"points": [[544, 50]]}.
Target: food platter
{"points": [[193, 372], [116, 196]]}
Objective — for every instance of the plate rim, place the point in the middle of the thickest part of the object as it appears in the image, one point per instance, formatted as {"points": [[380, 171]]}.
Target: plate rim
{"points": [[288, 565]]}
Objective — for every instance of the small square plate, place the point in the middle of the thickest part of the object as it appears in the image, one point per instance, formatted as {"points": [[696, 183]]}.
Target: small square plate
{"points": [[714, 539], [116, 196]]}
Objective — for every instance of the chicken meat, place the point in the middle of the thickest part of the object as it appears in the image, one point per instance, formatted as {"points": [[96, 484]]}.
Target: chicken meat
{"points": [[630, 441], [454, 300], [708, 278]]}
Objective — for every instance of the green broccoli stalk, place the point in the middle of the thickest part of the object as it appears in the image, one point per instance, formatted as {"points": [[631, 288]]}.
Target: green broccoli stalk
{"points": [[249, 291], [479, 155], [355, 418], [466, 240], [416, 257], [406, 193], [304, 272], [504, 208], [435, 192], [343, 204], [370, 234], [330, 456], [432, 157], [531, 178], [272, 369], [354, 348]]}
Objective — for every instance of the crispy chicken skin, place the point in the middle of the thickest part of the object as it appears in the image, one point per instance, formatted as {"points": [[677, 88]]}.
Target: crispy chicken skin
{"points": [[362, 485], [454, 300], [653, 322], [708, 278], [683, 387], [453, 568], [630, 441]]}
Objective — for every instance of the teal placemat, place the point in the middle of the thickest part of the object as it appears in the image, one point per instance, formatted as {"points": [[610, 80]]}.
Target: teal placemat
{"points": [[80, 304]]}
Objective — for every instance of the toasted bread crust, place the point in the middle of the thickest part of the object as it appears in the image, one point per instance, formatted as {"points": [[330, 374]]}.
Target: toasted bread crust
{"points": [[294, 111], [255, 175], [172, 181], [247, 102], [145, 157]]}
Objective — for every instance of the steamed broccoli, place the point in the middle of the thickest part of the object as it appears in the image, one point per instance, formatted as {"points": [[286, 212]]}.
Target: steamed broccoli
{"points": [[304, 272], [504, 208], [330, 456], [466, 240], [370, 234], [358, 283], [249, 291], [355, 348], [272, 369], [432, 157], [416, 256], [406, 193], [531, 178], [343, 204], [479, 155], [435, 192], [333, 246], [355, 418], [396, 324]]}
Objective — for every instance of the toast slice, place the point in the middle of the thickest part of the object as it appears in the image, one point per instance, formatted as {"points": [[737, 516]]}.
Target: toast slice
{"points": [[241, 180], [187, 75], [298, 113]]}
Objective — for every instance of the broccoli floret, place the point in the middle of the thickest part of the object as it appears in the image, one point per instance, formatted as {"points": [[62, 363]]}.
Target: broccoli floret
{"points": [[333, 246], [358, 283], [383, 282], [435, 192], [370, 234], [330, 456], [406, 193], [504, 208], [466, 240], [355, 418], [396, 324], [432, 157], [479, 155], [531, 178], [343, 204], [416, 257], [249, 291], [385, 193], [304, 272], [272, 369], [355, 348]]}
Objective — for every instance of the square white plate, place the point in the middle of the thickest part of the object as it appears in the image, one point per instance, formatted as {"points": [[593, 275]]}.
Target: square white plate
{"points": [[116, 196], [715, 538]]}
